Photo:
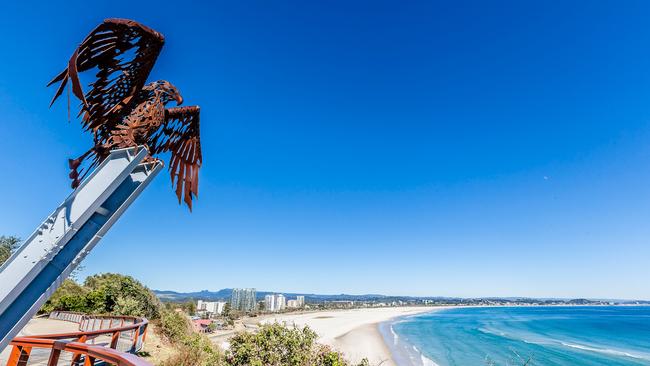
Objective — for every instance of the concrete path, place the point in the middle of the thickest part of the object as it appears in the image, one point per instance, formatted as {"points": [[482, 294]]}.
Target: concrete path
{"points": [[40, 326]]}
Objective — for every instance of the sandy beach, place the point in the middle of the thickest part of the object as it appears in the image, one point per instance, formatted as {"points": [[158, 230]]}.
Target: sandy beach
{"points": [[354, 332]]}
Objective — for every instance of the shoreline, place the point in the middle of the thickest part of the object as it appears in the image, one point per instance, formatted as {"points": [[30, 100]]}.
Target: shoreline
{"points": [[354, 332], [367, 332], [402, 353]]}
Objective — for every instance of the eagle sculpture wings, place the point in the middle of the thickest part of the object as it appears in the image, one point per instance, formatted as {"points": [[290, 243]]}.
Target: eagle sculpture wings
{"points": [[121, 110]]}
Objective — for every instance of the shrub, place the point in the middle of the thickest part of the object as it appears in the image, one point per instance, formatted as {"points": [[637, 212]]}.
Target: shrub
{"points": [[276, 345], [192, 349], [175, 326], [187, 355]]}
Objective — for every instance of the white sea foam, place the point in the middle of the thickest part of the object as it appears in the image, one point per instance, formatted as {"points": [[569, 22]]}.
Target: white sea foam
{"points": [[606, 351], [493, 332], [410, 354], [427, 362], [395, 336], [419, 359], [506, 330], [571, 345]]}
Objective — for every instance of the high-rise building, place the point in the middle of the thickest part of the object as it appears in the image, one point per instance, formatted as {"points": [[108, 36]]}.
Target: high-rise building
{"points": [[215, 307], [269, 305], [280, 302], [275, 302], [243, 299], [301, 301]]}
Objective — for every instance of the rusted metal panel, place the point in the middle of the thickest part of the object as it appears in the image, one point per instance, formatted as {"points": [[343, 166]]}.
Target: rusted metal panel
{"points": [[121, 110]]}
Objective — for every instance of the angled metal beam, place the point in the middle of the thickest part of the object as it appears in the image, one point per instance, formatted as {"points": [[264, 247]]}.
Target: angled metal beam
{"points": [[59, 244]]}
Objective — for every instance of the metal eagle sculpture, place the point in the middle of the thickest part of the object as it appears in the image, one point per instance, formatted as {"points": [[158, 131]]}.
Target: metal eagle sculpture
{"points": [[122, 110]]}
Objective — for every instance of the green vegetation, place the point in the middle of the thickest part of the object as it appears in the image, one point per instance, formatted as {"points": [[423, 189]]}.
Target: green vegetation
{"points": [[192, 349], [70, 297], [276, 345], [197, 350], [7, 246], [107, 293], [118, 294], [272, 345], [229, 315], [175, 326]]}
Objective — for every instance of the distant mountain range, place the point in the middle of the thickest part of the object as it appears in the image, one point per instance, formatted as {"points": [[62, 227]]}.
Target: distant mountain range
{"points": [[224, 294]]}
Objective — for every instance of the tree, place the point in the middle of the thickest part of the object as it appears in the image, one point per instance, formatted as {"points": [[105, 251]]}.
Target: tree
{"points": [[69, 296], [107, 293], [120, 294], [8, 244], [190, 307], [226, 310], [212, 327]]}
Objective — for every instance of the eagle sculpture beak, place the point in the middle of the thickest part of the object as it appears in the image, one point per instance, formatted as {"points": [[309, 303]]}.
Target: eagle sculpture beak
{"points": [[179, 100]]}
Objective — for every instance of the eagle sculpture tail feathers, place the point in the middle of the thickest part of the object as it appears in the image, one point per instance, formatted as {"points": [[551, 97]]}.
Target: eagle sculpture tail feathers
{"points": [[63, 78]]}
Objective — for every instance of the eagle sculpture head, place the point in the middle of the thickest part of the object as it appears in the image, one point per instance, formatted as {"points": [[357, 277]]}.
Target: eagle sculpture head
{"points": [[166, 90]]}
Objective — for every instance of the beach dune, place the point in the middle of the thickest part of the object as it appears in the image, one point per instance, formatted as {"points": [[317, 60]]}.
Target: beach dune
{"points": [[353, 332]]}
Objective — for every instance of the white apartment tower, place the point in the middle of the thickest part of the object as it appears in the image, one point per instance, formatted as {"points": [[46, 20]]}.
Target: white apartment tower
{"points": [[214, 307], [275, 302]]}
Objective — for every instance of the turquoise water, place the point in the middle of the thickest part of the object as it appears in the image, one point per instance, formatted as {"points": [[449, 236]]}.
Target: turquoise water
{"points": [[550, 336]]}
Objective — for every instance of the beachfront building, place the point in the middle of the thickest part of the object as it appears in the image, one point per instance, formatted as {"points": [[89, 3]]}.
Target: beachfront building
{"points": [[268, 302], [275, 302], [210, 307], [243, 299], [215, 307], [292, 304], [280, 302], [299, 302]]}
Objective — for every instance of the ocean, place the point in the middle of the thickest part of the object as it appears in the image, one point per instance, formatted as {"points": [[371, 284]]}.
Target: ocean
{"points": [[509, 336]]}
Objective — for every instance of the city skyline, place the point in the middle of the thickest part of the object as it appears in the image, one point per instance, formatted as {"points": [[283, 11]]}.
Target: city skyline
{"points": [[261, 296], [424, 149]]}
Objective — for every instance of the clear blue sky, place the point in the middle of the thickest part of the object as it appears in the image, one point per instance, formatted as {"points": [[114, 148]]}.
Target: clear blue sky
{"points": [[402, 148]]}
